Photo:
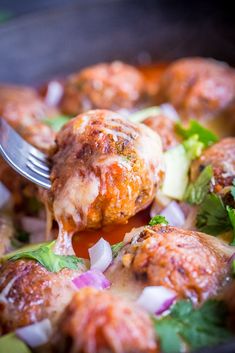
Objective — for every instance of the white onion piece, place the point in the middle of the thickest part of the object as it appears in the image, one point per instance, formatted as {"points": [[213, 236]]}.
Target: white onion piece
{"points": [[91, 278], [5, 195], [156, 299], [168, 110], [54, 93], [100, 255], [174, 214], [36, 334]]}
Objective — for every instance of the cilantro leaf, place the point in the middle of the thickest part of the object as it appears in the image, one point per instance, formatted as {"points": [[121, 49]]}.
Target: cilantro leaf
{"points": [[193, 147], [231, 215], [205, 136], [116, 248], [56, 123], [233, 189], [196, 192], [10, 343], [158, 219], [46, 257], [197, 328], [212, 217]]}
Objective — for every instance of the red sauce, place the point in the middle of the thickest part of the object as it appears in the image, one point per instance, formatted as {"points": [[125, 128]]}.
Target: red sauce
{"points": [[113, 234]]}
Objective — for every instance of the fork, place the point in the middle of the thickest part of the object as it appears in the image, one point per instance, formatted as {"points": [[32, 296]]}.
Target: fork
{"points": [[23, 157]]}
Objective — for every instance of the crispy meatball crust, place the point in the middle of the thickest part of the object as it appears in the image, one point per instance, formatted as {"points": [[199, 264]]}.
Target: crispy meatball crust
{"points": [[98, 322], [113, 86], [105, 170], [198, 88], [24, 110], [192, 264], [221, 156], [29, 293]]}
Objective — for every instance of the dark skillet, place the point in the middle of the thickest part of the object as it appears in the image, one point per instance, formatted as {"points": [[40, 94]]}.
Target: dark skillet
{"points": [[55, 41]]}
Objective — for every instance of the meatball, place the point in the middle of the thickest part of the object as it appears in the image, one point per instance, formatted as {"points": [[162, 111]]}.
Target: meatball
{"points": [[221, 156], [96, 322], [105, 170], [113, 86], [24, 110], [192, 264], [198, 88], [29, 293]]}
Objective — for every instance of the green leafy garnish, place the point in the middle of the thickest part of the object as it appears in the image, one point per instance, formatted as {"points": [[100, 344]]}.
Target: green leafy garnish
{"points": [[213, 217], [11, 344], [233, 189], [197, 191], [193, 147], [231, 215], [46, 257], [116, 248], [158, 219], [56, 123], [205, 136], [197, 328]]}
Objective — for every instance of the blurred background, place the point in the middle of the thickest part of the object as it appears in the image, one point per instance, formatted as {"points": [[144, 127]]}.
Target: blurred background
{"points": [[47, 38]]}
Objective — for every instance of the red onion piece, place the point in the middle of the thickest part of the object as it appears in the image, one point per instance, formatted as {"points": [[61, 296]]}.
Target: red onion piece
{"points": [[169, 111], [5, 195], [156, 299], [174, 214], [100, 255], [54, 93], [91, 278], [36, 334]]}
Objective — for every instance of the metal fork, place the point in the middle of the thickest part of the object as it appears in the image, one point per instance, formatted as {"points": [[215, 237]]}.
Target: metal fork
{"points": [[23, 157]]}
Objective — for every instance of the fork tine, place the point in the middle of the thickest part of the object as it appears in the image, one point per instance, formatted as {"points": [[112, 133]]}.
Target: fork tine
{"points": [[17, 152]]}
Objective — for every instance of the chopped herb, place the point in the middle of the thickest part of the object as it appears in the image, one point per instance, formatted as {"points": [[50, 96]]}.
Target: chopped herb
{"points": [[34, 205], [10, 343], [197, 191], [205, 136], [197, 328], [193, 147], [56, 123], [233, 189], [231, 215], [158, 219], [116, 248], [22, 236], [213, 217], [46, 257]]}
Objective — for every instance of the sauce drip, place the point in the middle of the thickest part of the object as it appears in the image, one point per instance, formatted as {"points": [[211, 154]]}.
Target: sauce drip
{"points": [[82, 241]]}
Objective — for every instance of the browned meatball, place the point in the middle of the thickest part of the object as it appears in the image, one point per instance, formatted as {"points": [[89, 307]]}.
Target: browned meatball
{"points": [[221, 156], [113, 86], [97, 322], [192, 264], [105, 170], [165, 127], [29, 293], [23, 109], [198, 88]]}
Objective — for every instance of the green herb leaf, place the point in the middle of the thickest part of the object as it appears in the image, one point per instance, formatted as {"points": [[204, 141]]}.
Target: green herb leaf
{"points": [[11, 344], [213, 217], [233, 189], [231, 215], [47, 258], [205, 326], [116, 248], [193, 147], [158, 219], [205, 136], [197, 191], [56, 123]]}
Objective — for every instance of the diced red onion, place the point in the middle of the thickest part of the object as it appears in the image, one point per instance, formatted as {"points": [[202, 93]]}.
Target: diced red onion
{"points": [[91, 278], [36, 334], [174, 214], [100, 255], [156, 299], [5, 195], [169, 111], [54, 93]]}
